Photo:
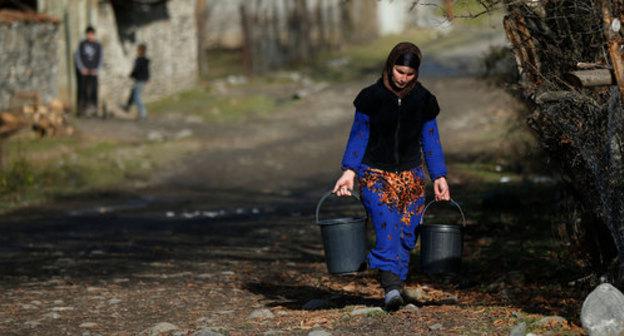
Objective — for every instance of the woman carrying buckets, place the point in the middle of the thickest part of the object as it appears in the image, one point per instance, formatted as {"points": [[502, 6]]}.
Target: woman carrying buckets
{"points": [[395, 124]]}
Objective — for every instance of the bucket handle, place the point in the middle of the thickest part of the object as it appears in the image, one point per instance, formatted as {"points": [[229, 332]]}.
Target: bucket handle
{"points": [[450, 201], [318, 206]]}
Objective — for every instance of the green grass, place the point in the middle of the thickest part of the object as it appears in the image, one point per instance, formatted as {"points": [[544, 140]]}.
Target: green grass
{"points": [[485, 172], [214, 107], [224, 62], [32, 144], [37, 170]]}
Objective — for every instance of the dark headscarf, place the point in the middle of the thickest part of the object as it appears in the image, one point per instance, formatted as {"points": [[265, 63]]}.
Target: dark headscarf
{"points": [[404, 53]]}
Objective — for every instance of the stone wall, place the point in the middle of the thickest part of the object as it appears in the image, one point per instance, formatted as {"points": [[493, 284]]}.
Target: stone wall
{"points": [[28, 56]]}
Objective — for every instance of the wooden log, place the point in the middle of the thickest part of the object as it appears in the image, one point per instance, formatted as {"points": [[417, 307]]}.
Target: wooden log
{"points": [[589, 65], [9, 124], [614, 41], [589, 78]]}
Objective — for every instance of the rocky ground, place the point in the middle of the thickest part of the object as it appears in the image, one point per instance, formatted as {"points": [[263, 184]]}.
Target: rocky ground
{"points": [[223, 242]]}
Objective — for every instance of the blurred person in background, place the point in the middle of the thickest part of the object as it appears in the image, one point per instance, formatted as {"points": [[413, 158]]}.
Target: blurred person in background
{"points": [[140, 75], [88, 60], [394, 127]]}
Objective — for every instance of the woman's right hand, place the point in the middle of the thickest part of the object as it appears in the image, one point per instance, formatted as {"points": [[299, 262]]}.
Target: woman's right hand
{"points": [[344, 185]]}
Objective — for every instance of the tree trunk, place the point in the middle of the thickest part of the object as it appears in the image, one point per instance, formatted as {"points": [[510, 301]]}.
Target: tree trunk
{"points": [[201, 15], [448, 9], [247, 39], [301, 27], [346, 20], [614, 42]]}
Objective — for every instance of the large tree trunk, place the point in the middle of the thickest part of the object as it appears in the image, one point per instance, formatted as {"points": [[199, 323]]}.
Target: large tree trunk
{"points": [[248, 41], [300, 28], [201, 15]]}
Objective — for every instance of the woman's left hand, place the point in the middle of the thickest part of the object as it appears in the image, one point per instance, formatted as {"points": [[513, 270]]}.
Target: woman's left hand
{"points": [[441, 189]]}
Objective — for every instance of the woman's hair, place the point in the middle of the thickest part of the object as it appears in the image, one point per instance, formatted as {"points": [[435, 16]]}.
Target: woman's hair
{"points": [[404, 53], [408, 59]]}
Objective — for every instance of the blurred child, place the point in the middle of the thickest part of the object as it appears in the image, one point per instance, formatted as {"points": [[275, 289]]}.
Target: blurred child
{"points": [[88, 60], [140, 74]]}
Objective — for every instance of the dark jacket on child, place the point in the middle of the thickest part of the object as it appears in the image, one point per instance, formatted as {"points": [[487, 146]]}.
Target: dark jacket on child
{"points": [[140, 71], [89, 55]]}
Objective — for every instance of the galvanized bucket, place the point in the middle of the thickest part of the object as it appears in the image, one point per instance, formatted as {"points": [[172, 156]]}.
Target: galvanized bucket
{"points": [[441, 245], [344, 241]]}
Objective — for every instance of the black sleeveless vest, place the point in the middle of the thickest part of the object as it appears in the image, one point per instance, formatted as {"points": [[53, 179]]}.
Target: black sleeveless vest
{"points": [[395, 125]]}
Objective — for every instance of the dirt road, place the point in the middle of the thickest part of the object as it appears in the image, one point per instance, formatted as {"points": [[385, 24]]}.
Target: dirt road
{"points": [[225, 241]]}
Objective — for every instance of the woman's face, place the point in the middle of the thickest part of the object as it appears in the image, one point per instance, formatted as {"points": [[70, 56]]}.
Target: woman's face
{"points": [[402, 75]]}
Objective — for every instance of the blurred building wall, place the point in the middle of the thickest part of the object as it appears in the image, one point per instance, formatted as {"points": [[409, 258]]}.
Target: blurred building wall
{"points": [[28, 56], [223, 20], [395, 16]]}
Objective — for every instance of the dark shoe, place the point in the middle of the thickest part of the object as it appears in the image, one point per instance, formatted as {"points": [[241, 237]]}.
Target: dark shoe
{"points": [[393, 300]]}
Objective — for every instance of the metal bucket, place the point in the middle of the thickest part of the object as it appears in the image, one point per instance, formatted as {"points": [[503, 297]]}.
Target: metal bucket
{"points": [[441, 245], [344, 241]]}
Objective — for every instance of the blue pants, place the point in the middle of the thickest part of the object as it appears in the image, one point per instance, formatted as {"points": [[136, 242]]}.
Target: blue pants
{"points": [[394, 202], [135, 98]]}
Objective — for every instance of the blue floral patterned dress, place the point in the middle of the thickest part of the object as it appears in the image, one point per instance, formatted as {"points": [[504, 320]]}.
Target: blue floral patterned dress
{"points": [[394, 200]]}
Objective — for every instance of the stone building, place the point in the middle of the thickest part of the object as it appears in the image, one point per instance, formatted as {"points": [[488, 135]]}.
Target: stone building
{"points": [[28, 56]]}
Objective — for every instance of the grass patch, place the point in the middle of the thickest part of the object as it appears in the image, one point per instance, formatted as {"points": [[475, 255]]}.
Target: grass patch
{"points": [[214, 107], [224, 62], [485, 172], [36, 170]]}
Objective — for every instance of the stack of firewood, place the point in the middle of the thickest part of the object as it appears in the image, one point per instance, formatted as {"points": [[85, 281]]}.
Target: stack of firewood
{"points": [[9, 124], [50, 119], [28, 111]]}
